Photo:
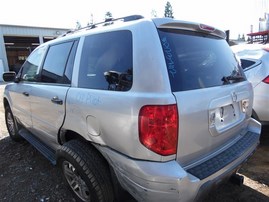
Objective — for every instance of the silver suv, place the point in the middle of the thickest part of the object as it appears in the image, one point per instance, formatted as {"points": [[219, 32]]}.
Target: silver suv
{"points": [[157, 107]]}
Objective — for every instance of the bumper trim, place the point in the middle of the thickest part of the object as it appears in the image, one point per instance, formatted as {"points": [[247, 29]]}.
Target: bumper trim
{"points": [[221, 160]]}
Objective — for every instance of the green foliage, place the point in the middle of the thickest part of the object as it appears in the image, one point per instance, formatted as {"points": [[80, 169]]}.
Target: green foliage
{"points": [[108, 15], [153, 13], [168, 11], [78, 25]]}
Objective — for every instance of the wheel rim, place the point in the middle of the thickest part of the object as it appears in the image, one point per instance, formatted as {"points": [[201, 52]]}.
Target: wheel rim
{"points": [[10, 124], [74, 180]]}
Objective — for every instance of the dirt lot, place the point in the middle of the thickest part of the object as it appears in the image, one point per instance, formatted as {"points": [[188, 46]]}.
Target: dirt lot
{"points": [[25, 175]]}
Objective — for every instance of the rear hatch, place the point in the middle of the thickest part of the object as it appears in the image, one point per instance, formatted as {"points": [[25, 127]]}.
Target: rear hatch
{"points": [[210, 88]]}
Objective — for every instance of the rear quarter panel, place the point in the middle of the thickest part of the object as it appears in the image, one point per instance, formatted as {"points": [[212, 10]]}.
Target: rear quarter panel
{"points": [[110, 118]]}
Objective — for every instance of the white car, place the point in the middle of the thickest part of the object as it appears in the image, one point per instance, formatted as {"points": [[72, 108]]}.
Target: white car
{"points": [[255, 62]]}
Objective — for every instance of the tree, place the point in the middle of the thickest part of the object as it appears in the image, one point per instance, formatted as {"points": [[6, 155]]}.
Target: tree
{"points": [[243, 37], [108, 15], [153, 13], [78, 25], [168, 11], [91, 20]]}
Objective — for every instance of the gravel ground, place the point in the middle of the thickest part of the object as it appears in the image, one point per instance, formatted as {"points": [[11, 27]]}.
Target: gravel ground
{"points": [[25, 175]]}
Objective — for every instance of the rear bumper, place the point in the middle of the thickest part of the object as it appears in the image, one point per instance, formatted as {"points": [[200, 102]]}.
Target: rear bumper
{"points": [[168, 181]]}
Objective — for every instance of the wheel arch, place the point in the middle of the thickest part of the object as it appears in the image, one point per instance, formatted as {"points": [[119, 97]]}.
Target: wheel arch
{"points": [[68, 135], [5, 102]]}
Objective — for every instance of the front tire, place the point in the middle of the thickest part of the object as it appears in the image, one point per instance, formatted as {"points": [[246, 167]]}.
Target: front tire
{"points": [[86, 172], [12, 125]]}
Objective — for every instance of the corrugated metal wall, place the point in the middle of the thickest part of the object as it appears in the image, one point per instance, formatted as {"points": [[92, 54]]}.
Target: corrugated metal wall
{"points": [[30, 31], [23, 31]]}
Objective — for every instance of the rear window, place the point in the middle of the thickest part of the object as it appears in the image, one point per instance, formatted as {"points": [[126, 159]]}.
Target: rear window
{"points": [[196, 60]]}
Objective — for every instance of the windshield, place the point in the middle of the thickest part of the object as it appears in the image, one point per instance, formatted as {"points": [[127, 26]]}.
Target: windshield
{"points": [[196, 60]]}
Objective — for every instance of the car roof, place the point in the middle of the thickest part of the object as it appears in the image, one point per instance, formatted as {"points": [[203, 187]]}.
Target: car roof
{"points": [[254, 51], [133, 19], [246, 46]]}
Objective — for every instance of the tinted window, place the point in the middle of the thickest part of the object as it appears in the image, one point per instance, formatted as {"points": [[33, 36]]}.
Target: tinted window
{"points": [[70, 64], [106, 61], [30, 68], [247, 63], [55, 63], [196, 60]]}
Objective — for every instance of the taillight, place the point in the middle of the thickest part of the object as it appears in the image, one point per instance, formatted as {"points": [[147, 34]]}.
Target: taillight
{"points": [[266, 48], [158, 128], [266, 80]]}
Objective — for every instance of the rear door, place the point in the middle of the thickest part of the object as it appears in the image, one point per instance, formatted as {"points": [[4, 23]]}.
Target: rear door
{"points": [[48, 95], [210, 90]]}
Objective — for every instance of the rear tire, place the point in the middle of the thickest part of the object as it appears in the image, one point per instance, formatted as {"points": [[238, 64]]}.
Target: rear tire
{"points": [[12, 125], [86, 172]]}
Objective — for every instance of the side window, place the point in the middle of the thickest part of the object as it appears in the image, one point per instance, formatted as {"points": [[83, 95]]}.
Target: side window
{"points": [[55, 63], [107, 62], [30, 69], [70, 64]]}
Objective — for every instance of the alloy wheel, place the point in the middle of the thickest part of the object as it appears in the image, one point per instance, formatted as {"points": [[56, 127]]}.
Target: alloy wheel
{"points": [[11, 124], [75, 181]]}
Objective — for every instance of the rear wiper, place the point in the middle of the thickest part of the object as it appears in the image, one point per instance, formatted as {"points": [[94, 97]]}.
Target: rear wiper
{"points": [[227, 79]]}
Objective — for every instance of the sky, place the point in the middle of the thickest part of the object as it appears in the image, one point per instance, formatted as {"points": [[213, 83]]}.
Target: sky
{"points": [[234, 15]]}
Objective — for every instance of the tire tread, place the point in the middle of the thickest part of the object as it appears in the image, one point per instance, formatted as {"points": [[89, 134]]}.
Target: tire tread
{"points": [[93, 165]]}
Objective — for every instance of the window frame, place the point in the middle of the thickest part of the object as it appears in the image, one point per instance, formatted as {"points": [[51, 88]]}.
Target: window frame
{"points": [[184, 78], [74, 48], [39, 67], [125, 74]]}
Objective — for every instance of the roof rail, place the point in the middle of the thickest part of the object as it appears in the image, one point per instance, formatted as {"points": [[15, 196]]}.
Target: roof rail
{"points": [[107, 21]]}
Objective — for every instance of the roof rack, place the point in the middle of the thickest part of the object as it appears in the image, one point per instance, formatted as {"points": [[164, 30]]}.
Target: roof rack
{"points": [[107, 21]]}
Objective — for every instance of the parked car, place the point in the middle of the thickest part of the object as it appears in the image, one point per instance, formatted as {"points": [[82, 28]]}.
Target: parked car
{"points": [[255, 62], [157, 107]]}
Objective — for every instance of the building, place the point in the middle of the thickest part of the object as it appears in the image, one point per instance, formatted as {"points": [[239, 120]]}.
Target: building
{"points": [[264, 23], [17, 42], [262, 35]]}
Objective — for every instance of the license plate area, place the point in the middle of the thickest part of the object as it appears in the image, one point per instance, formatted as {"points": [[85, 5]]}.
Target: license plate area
{"points": [[225, 117]]}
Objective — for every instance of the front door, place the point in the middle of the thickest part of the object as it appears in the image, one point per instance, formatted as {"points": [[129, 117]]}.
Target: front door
{"points": [[48, 111], [47, 99]]}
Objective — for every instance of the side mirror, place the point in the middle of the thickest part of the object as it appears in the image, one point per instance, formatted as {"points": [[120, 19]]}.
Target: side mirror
{"points": [[9, 76]]}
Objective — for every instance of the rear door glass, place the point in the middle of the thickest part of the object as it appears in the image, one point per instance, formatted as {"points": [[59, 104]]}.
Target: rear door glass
{"points": [[196, 60], [55, 63]]}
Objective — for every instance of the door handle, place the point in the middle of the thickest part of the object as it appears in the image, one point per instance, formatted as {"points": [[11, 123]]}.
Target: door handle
{"points": [[56, 100], [26, 94]]}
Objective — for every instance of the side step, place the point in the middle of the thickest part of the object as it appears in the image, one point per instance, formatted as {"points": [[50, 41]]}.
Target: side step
{"points": [[40, 146]]}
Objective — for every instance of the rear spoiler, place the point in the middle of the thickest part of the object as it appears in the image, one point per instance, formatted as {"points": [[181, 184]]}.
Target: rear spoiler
{"points": [[189, 26]]}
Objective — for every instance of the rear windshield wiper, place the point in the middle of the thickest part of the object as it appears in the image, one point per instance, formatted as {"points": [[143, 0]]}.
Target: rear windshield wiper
{"points": [[227, 79]]}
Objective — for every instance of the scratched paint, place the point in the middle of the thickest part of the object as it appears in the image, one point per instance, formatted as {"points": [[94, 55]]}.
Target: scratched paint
{"points": [[88, 99]]}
